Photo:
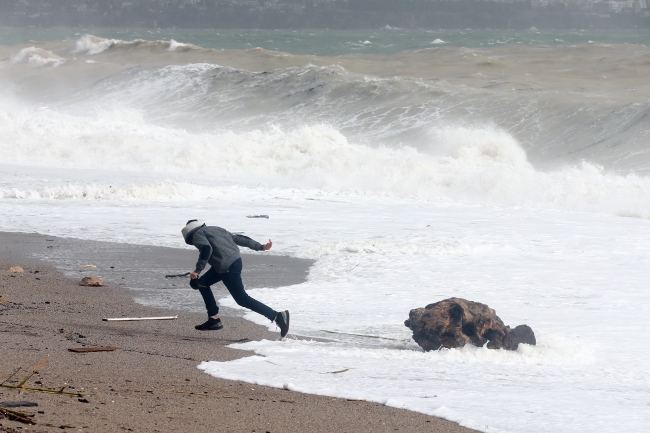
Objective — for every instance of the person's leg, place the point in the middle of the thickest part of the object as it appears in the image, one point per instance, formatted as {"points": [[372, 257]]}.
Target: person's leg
{"points": [[235, 286], [203, 285]]}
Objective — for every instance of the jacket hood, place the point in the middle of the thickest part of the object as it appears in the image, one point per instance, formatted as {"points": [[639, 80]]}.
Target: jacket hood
{"points": [[190, 228]]}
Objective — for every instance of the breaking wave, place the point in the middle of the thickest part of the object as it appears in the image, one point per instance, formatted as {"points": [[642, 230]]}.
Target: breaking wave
{"points": [[371, 101], [480, 164], [390, 111], [320, 127], [38, 57], [91, 45]]}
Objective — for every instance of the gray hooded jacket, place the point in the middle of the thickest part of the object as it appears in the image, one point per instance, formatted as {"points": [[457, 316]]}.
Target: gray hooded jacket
{"points": [[218, 247]]}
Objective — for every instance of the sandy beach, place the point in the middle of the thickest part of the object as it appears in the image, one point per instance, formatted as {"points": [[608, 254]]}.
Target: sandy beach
{"points": [[151, 384]]}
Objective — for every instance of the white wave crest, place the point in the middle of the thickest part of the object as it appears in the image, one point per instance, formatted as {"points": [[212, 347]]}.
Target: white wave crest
{"points": [[38, 57], [90, 45], [438, 42], [174, 46], [481, 164]]}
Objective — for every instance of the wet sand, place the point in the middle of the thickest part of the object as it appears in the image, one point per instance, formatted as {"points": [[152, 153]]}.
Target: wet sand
{"points": [[143, 268], [151, 384]]}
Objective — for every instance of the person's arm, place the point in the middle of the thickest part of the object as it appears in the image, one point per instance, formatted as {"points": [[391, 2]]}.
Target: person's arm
{"points": [[245, 241], [205, 251]]}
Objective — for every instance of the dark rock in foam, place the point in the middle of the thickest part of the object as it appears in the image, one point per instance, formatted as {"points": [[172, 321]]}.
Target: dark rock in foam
{"points": [[454, 322]]}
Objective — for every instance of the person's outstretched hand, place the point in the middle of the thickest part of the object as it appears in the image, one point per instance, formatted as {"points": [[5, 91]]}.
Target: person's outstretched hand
{"points": [[268, 245]]}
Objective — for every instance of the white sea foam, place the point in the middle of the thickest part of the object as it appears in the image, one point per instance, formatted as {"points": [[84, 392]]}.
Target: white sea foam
{"points": [[438, 42], [90, 45], [173, 45], [482, 164], [410, 379], [38, 57], [167, 190], [389, 247]]}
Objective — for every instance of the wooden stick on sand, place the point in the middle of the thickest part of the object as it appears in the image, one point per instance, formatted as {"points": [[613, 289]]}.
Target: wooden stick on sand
{"points": [[133, 319]]}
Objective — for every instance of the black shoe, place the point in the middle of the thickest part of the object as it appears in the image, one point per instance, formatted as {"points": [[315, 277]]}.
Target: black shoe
{"points": [[210, 325], [282, 320]]}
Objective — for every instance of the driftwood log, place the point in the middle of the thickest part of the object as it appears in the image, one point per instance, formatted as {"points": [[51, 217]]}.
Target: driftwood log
{"points": [[456, 322]]}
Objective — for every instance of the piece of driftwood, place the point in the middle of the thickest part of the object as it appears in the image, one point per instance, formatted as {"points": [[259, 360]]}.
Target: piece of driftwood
{"points": [[187, 392], [455, 322], [15, 415], [177, 275], [92, 349], [19, 403], [135, 319], [45, 390]]}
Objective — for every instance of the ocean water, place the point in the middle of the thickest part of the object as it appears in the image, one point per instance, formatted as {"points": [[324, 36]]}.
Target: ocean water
{"points": [[387, 40], [505, 168]]}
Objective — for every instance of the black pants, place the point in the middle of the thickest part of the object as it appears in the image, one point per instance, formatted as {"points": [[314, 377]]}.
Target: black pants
{"points": [[232, 281]]}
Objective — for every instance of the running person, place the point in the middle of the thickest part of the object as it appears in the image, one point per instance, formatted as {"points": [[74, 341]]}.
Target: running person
{"points": [[218, 247]]}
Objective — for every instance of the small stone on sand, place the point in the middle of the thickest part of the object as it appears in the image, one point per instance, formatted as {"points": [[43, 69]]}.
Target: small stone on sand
{"points": [[15, 270], [91, 281]]}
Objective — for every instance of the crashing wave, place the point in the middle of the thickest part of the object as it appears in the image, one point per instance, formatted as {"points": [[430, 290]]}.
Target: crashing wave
{"points": [[479, 164], [91, 45], [38, 57]]}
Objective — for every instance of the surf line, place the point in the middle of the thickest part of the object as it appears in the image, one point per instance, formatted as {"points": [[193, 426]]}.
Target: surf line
{"points": [[362, 335]]}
